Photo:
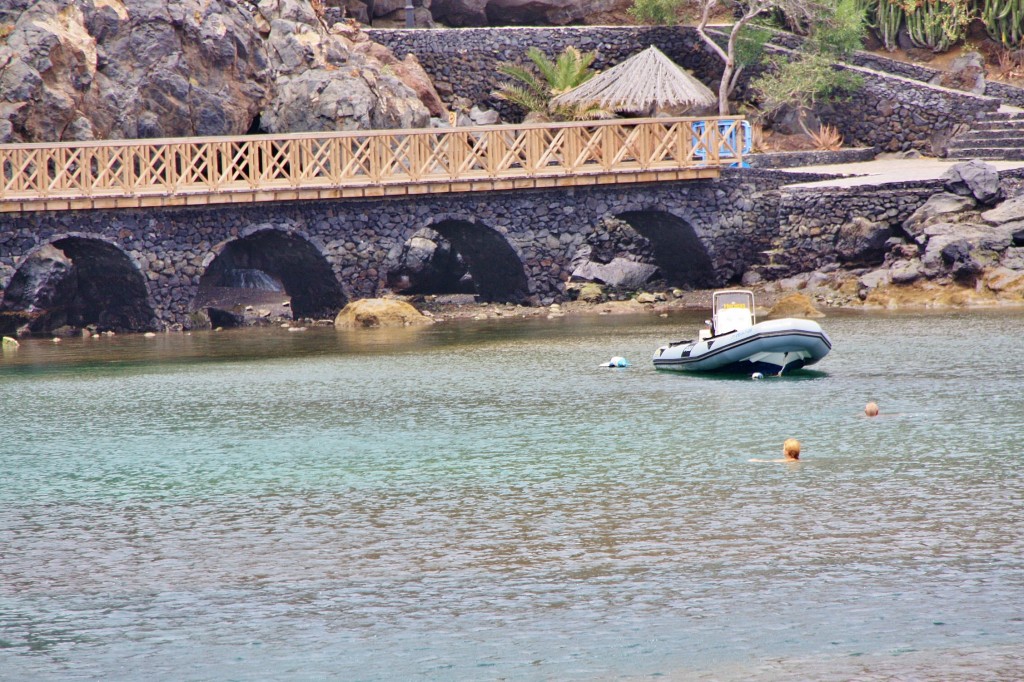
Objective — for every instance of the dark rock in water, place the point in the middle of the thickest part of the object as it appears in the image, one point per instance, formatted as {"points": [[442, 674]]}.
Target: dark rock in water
{"points": [[241, 307], [862, 242], [974, 178]]}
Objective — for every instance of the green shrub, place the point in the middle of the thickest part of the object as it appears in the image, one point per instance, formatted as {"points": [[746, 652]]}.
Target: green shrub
{"points": [[657, 12]]}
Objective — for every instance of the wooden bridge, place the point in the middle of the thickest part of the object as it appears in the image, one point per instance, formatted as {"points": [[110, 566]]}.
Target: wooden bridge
{"points": [[246, 169]]}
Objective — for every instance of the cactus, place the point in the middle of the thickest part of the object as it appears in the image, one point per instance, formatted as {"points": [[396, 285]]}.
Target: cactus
{"points": [[1004, 21], [937, 24], [886, 17]]}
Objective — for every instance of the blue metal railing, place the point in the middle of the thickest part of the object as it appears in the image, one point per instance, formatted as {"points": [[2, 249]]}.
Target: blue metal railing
{"points": [[730, 142]]}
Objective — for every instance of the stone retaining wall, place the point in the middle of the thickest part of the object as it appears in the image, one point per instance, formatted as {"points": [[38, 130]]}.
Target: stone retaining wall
{"points": [[1009, 94], [809, 158], [463, 62], [811, 220], [892, 113]]}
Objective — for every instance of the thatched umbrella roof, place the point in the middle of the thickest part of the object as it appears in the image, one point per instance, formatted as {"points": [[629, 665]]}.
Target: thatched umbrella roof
{"points": [[647, 80]]}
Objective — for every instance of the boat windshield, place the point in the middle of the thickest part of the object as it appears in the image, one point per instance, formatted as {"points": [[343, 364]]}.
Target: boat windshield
{"points": [[734, 310]]}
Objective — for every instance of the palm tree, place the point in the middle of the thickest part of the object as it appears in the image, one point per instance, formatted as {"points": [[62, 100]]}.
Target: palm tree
{"points": [[533, 92]]}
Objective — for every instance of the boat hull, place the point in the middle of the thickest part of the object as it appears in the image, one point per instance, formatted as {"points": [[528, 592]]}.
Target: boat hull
{"points": [[768, 347]]}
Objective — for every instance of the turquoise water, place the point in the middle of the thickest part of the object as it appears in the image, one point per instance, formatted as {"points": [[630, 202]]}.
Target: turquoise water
{"points": [[482, 501]]}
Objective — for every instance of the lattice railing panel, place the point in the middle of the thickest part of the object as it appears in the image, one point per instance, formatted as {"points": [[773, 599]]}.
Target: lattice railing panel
{"points": [[358, 159]]}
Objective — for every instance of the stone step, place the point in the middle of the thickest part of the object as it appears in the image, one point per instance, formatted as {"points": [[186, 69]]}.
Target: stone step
{"points": [[986, 153], [970, 140], [1015, 136], [999, 125], [1004, 116]]}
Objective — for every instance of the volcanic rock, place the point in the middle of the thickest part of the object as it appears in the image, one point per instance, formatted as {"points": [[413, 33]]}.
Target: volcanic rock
{"points": [[1008, 211], [549, 12], [795, 305], [938, 206], [618, 274], [862, 241], [95, 69], [460, 12], [974, 178], [379, 312]]}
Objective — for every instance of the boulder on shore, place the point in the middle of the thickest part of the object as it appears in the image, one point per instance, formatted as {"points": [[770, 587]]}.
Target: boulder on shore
{"points": [[974, 178], [618, 274], [795, 305], [368, 313]]}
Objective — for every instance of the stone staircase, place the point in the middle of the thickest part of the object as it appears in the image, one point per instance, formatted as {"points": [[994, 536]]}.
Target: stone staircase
{"points": [[999, 135]]}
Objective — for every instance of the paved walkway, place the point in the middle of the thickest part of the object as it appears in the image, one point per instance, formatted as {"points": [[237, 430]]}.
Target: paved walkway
{"points": [[882, 171]]}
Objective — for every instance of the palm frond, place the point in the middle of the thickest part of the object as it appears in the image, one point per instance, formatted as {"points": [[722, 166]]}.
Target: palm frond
{"points": [[520, 96], [533, 92], [548, 69]]}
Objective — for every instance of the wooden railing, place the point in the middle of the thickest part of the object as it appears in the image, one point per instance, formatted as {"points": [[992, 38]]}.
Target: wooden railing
{"points": [[362, 163]]}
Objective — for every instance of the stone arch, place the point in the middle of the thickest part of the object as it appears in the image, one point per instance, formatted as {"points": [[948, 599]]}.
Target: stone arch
{"points": [[679, 253], [75, 281], [493, 264], [272, 263]]}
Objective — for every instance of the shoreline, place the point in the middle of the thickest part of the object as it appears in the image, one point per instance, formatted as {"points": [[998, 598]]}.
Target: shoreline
{"points": [[888, 298], [844, 294]]}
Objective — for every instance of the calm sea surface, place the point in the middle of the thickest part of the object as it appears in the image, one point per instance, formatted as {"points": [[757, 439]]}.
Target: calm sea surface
{"points": [[482, 501]]}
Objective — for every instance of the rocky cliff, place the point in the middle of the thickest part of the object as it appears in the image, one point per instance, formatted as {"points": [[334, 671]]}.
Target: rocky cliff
{"points": [[113, 69]]}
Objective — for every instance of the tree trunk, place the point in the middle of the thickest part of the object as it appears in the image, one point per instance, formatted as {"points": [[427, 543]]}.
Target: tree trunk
{"points": [[724, 88]]}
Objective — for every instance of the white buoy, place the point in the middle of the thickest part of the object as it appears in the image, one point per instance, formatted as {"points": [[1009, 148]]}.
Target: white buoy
{"points": [[617, 362], [757, 375]]}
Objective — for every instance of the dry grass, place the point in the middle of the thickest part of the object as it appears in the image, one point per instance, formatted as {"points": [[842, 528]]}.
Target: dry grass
{"points": [[1007, 66], [757, 139], [827, 138]]}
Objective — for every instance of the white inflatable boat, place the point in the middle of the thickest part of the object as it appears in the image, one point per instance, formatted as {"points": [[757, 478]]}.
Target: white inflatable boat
{"points": [[735, 342]]}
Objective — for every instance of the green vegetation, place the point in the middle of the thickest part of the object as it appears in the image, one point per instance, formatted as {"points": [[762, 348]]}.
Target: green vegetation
{"points": [[838, 29], [812, 77], [742, 41], [886, 18], [657, 12], [802, 83], [1004, 21], [533, 88], [937, 24]]}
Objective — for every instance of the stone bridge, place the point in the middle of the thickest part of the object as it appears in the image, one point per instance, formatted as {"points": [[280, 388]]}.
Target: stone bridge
{"points": [[153, 268]]}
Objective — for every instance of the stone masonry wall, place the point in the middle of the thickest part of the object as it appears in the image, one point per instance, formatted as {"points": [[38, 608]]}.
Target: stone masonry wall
{"points": [[810, 219], [360, 239], [891, 112], [464, 62]]}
